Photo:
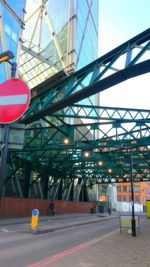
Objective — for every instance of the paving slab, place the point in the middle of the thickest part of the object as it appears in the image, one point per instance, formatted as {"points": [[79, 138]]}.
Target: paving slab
{"points": [[108, 250]]}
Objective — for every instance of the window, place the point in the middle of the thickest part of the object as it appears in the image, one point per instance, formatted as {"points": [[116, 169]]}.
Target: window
{"points": [[119, 188], [124, 198], [136, 188], [137, 199], [118, 198], [124, 188]]}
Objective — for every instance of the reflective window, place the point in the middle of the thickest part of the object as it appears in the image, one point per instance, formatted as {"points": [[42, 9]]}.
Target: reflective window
{"points": [[124, 188], [124, 198], [10, 32], [136, 199], [17, 7], [45, 34], [87, 37], [119, 198], [136, 188], [119, 188], [62, 32]]}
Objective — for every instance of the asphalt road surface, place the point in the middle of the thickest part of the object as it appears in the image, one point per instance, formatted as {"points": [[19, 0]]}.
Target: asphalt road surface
{"points": [[20, 248]]}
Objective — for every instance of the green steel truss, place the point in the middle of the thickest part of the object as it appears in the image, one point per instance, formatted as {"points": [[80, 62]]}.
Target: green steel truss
{"points": [[100, 138], [120, 64]]}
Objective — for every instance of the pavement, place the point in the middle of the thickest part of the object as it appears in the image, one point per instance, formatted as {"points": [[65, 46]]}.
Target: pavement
{"points": [[65, 221], [108, 250], [56, 222]]}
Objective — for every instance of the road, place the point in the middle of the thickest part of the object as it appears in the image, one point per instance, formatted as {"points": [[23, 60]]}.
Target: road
{"points": [[20, 248]]}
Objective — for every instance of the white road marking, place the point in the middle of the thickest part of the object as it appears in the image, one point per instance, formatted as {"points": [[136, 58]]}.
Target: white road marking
{"points": [[13, 100], [5, 230]]}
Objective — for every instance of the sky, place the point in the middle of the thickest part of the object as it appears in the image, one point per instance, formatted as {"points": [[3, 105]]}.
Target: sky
{"points": [[119, 21]]}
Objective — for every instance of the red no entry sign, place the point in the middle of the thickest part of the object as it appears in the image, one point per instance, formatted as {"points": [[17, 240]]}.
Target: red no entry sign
{"points": [[14, 100]]}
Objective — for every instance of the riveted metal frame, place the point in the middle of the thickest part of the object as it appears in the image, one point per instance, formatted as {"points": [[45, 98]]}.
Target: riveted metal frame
{"points": [[106, 133]]}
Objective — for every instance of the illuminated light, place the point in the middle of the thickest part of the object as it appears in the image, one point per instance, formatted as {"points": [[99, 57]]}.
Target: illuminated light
{"points": [[133, 142], [86, 154], [103, 198], [66, 140], [5, 56], [110, 170], [100, 163]]}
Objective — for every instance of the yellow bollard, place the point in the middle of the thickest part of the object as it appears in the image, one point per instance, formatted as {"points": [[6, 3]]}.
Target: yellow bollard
{"points": [[34, 219], [148, 208]]}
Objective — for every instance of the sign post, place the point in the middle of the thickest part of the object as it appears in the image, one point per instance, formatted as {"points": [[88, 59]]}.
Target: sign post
{"points": [[133, 221], [14, 100], [16, 135]]}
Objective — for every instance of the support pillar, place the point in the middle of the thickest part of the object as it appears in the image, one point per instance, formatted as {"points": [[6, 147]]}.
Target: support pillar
{"points": [[45, 182], [84, 193], [72, 192], [60, 190]]}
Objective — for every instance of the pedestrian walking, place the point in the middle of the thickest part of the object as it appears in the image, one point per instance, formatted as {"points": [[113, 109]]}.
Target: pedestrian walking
{"points": [[109, 210], [52, 208]]}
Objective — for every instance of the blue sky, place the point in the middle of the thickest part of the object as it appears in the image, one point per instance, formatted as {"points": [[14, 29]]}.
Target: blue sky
{"points": [[119, 21]]}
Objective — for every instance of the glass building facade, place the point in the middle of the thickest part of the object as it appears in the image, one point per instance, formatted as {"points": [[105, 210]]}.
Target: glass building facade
{"points": [[87, 32], [58, 35], [11, 24]]}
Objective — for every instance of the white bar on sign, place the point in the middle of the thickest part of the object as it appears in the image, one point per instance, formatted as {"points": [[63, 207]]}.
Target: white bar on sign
{"points": [[13, 100]]}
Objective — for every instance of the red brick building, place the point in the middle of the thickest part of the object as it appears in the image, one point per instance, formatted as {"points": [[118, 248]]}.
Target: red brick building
{"points": [[141, 192]]}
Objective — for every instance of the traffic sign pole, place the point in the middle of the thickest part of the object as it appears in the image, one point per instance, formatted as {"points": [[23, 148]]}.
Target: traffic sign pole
{"points": [[4, 149], [10, 117]]}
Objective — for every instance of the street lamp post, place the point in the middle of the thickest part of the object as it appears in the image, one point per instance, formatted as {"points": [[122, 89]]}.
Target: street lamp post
{"points": [[133, 222], [5, 57], [109, 198]]}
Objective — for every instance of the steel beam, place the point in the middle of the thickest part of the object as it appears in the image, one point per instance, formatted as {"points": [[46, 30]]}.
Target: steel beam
{"points": [[114, 79]]}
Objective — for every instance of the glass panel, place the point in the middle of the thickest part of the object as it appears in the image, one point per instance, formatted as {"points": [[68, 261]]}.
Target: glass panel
{"points": [[18, 8], [124, 188], [137, 199], [136, 188], [11, 29], [46, 33], [87, 37]]}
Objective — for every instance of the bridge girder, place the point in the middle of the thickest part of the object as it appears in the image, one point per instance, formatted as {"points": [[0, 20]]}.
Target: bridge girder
{"points": [[106, 133]]}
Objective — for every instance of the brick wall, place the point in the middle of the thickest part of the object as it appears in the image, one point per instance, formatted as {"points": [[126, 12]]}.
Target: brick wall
{"points": [[18, 207]]}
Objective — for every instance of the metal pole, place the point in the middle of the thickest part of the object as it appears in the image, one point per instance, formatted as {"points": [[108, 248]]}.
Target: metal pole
{"points": [[4, 149], [13, 69], [133, 222], [109, 199]]}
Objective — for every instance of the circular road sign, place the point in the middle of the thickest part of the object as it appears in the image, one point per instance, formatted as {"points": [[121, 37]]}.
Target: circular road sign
{"points": [[35, 212], [14, 100]]}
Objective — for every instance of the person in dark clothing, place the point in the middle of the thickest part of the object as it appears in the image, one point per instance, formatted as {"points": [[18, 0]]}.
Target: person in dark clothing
{"points": [[52, 208], [109, 210]]}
